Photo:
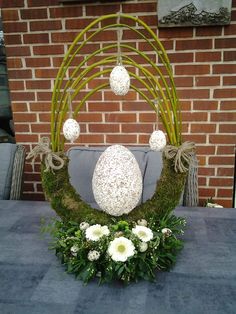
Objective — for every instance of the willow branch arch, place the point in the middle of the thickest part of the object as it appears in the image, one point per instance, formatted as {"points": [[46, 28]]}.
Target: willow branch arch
{"points": [[159, 83]]}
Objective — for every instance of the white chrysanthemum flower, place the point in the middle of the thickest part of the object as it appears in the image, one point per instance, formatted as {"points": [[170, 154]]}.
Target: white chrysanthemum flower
{"points": [[166, 232], [74, 249], [95, 232], [84, 225], [142, 222], [143, 233], [93, 255], [143, 247], [120, 249]]}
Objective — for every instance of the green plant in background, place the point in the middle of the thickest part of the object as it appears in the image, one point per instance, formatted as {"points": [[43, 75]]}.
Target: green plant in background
{"points": [[159, 83]]}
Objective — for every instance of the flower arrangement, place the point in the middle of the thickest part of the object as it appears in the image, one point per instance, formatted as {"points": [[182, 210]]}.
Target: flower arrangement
{"points": [[122, 250]]}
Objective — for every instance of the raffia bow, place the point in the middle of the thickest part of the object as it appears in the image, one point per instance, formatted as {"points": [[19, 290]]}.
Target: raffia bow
{"points": [[181, 155], [43, 148]]}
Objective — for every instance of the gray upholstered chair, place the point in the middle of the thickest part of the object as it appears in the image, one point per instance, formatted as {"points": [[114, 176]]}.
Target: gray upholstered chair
{"points": [[12, 160], [83, 161]]}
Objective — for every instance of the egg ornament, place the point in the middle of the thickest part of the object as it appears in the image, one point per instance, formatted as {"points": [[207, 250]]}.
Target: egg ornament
{"points": [[157, 140], [119, 80], [71, 129], [117, 181]]}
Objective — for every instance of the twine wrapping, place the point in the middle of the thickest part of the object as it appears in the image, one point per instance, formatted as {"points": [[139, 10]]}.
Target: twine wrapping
{"points": [[119, 39], [43, 148], [182, 155]]}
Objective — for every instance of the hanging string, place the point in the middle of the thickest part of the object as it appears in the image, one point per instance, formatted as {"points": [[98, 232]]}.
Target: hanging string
{"points": [[119, 38], [157, 114]]}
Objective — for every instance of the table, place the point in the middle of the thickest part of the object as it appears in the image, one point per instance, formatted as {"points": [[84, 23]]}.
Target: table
{"points": [[32, 280]]}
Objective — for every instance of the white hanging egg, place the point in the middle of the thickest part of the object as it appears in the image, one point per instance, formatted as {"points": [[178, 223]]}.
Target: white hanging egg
{"points": [[117, 181], [157, 140], [119, 80], [71, 129]]}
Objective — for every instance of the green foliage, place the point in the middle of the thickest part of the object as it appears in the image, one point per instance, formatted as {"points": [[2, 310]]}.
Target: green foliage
{"points": [[72, 247]]}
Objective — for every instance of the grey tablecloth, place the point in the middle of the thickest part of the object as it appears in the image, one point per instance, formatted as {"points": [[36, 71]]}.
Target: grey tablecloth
{"points": [[32, 279]]}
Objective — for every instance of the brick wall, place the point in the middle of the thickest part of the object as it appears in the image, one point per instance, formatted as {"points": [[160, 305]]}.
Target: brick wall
{"points": [[37, 36]]}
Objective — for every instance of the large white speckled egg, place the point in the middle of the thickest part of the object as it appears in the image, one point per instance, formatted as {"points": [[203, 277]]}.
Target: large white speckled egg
{"points": [[71, 129], [117, 181], [119, 80], [157, 140]]}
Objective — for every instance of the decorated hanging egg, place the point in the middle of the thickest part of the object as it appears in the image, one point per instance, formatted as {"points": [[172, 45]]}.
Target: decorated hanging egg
{"points": [[71, 129], [119, 80], [117, 181], [157, 140]]}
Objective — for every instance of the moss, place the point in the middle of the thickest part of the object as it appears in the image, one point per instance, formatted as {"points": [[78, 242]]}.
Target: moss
{"points": [[69, 206]]}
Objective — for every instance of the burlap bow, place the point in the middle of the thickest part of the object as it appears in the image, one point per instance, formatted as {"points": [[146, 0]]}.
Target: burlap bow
{"points": [[43, 148], [181, 155]]}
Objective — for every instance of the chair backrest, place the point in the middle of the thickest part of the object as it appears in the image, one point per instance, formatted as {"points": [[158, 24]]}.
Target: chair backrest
{"points": [[83, 161], [12, 157]]}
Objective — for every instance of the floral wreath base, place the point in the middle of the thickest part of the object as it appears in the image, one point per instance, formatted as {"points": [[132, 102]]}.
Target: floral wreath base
{"points": [[125, 251]]}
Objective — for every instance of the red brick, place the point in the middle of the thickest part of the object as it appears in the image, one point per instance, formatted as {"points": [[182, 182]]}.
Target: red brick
{"points": [[91, 138], [225, 150], [137, 128], [19, 74], [222, 139], [223, 116], [225, 43], [12, 40], [63, 37], [180, 57], [96, 10], [224, 68], [45, 25], [34, 14], [131, 95], [41, 128], [136, 106], [229, 80], [207, 81], [21, 128], [46, 73], [206, 171], [228, 128], [192, 69], [80, 23], [18, 51], [150, 20], [37, 62], [121, 138], [89, 117], [44, 117], [225, 172], [38, 84], [15, 27], [138, 7], [225, 193], [230, 55], [40, 106], [225, 93], [14, 63], [201, 181], [208, 192], [16, 85], [36, 3], [66, 11], [19, 107], [44, 96], [194, 116], [208, 56], [10, 15], [196, 138], [147, 117], [205, 105], [209, 31], [221, 182], [104, 128], [199, 44], [193, 93], [22, 96], [203, 128], [228, 105], [36, 38], [11, 3], [120, 117], [144, 46], [98, 106], [206, 149], [48, 50], [175, 32], [22, 117]]}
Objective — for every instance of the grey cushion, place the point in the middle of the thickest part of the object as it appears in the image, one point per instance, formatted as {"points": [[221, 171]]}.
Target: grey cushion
{"points": [[83, 161], [7, 154]]}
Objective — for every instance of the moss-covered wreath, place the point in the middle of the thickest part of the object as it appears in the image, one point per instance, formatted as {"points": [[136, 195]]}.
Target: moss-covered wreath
{"points": [[71, 241]]}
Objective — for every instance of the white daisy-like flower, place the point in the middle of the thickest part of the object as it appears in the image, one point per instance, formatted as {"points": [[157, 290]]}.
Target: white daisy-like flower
{"points": [[84, 225], [143, 233], [166, 232], [95, 232], [142, 222], [93, 255], [120, 249], [143, 247], [74, 250]]}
